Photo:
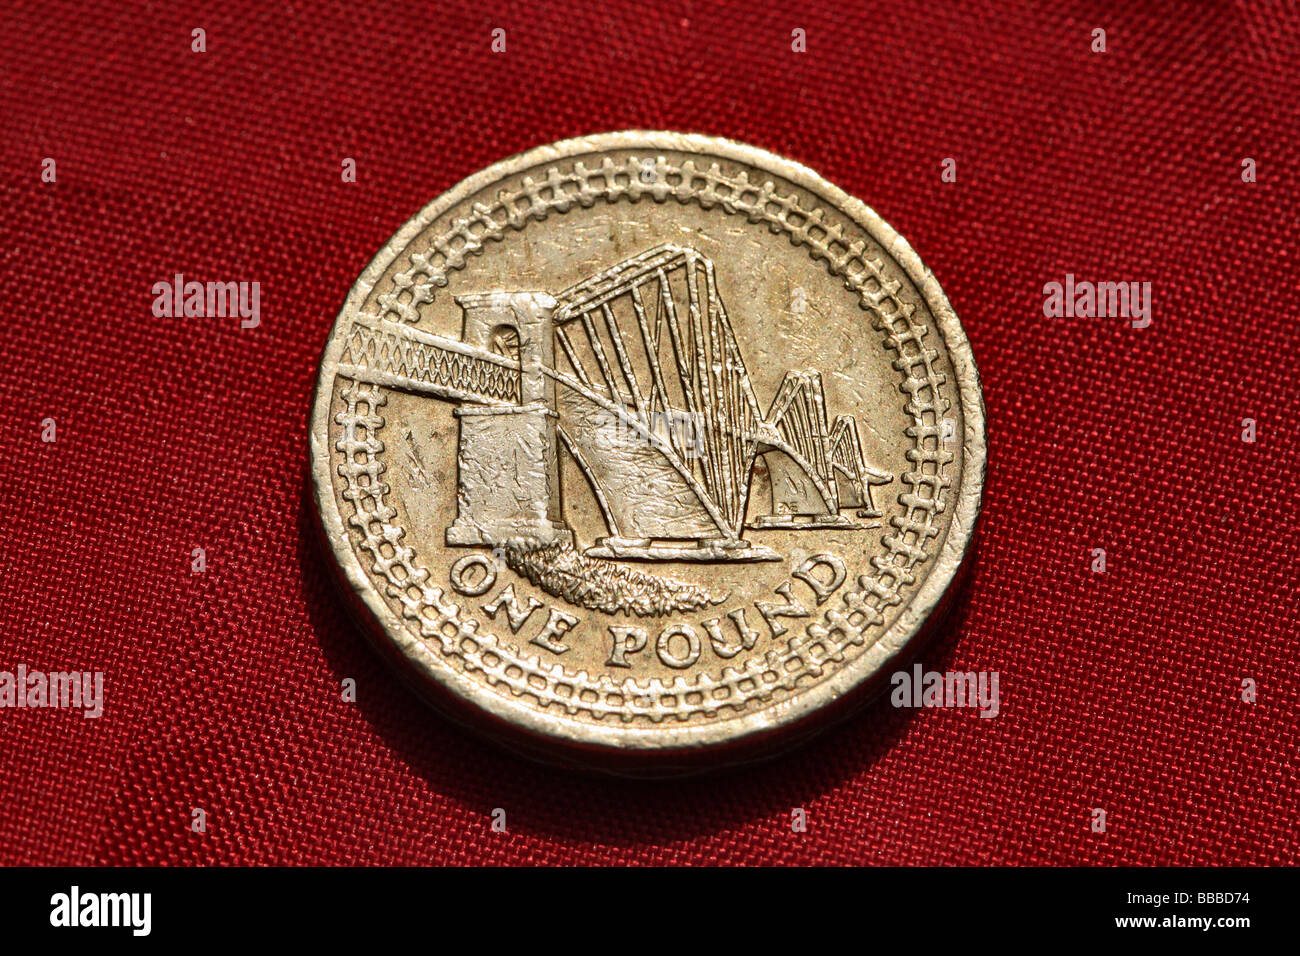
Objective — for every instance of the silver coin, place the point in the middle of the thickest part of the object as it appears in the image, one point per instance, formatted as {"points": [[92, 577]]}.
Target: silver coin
{"points": [[647, 451]]}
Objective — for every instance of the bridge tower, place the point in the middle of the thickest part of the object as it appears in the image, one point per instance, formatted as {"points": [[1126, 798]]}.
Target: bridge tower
{"points": [[509, 477]]}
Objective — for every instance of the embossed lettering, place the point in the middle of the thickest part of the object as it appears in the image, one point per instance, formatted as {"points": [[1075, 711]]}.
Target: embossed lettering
{"points": [[472, 588], [665, 649], [727, 650], [515, 615], [627, 640], [557, 625], [823, 589], [771, 612]]}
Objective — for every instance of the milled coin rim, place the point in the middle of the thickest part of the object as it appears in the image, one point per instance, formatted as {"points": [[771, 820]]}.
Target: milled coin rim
{"points": [[665, 738]]}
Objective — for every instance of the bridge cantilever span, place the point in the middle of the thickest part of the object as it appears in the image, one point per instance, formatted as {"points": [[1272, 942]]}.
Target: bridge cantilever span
{"points": [[637, 372]]}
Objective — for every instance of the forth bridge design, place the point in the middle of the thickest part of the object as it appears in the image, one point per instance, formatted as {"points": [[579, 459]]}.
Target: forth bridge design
{"points": [[637, 373]]}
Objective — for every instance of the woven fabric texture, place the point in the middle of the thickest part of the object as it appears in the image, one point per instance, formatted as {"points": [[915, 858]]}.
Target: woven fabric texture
{"points": [[1120, 690]]}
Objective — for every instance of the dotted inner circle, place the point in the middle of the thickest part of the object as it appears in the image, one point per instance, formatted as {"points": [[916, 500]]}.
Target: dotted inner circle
{"points": [[855, 616]]}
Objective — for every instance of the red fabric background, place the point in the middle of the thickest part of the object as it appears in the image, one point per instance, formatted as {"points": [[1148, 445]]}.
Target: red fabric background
{"points": [[1120, 690]]}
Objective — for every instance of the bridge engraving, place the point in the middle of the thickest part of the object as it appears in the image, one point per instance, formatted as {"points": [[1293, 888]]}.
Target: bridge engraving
{"points": [[622, 354]]}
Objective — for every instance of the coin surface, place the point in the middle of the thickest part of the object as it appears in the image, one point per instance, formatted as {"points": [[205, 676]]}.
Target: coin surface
{"points": [[647, 451]]}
